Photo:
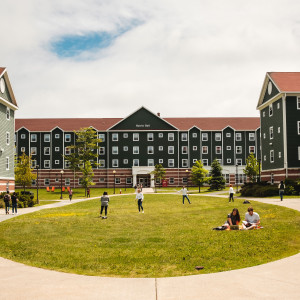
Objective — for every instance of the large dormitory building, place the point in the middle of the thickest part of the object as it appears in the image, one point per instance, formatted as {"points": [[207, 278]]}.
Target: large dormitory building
{"points": [[133, 145]]}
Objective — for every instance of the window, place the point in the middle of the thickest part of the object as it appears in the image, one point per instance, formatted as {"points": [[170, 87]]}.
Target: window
{"points": [[219, 161], [7, 113], [125, 148], [278, 130], [264, 136], [115, 163], [298, 153], [117, 180], [279, 154], [160, 148], [23, 149], [170, 137], [150, 149], [194, 148], [57, 135], [184, 149], [184, 163], [125, 135], [33, 137], [184, 179], [68, 137], [239, 161], [101, 163], [251, 136], [33, 150], [228, 160], [298, 127], [56, 149], [47, 137], [264, 114], [278, 105], [194, 160], [136, 137], [101, 179], [7, 163], [160, 161], [101, 150], [265, 157], [33, 164], [228, 147], [136, 149], [47, 181], [252, 149], [170, 149], [298, 102], [67, 181], [238, 136], [136, 162], [102, 137], [238, 149], [271, 132], [228, 134], [23, 136], [46, 164], [171, 163], [270, 110], [157, 180], [150, 137], [56, 162], [204, 149], [160, 135], [194, 134], [204, 137], [56, 180], [129, 180], [115, 137], [150, 162], [125, 161], [205, 162], [7, 138], [271, 156], [218, 150], [171, 180], [184, 136], [218, 137], [67, 150], [115, 150], [47, 150], [226, 176]]}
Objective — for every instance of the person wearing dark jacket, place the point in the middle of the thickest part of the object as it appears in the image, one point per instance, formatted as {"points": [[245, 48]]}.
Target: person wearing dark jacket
{"points": [[104, 204], [6, 201], [14, 203]]}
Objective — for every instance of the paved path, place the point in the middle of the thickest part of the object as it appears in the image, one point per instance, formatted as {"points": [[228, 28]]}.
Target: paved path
{"points": [[275, 280]]}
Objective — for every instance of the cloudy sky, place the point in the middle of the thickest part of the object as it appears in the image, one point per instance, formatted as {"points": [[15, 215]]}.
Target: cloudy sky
{"points": [[106, 58]]}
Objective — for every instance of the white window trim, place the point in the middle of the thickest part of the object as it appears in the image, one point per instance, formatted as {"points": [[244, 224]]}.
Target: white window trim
{"points": [[45, 135], [138, 162], [238, 137], [228, 147], [7, 163], [138, 150], [298, 152], [250, 149], [271, 155], [160, 148], [237, 151], [204, 137], [47, 162], [68, 137], [203, 147], [33, 151], [298, 102], [171, 150], [228, 160], [115, 163], [184, 136], [56, 162], [205, 162], [150, 137], [182, 149], [125, 161], [46, 148], [115, 150], [56, 149], [219, 135], [115, 137], [220, 150], [195, 148], [184, 163], [57, 135], [171, 137], [298, 123], [149, 149], [271, 110], [101, 150], [135, 137], [7, 113], [160, 161], [150, 162], [271, 135], [171, 162], [7, 138], [31, 138]]}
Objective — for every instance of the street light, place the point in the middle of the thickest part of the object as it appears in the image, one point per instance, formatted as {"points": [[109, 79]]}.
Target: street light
{"points": [[187, 179], [259, 160], [237, 178], [61, 175], [37, 184], [114, 171]]}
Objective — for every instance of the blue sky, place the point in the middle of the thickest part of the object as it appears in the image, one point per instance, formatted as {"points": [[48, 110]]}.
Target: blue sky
{"points": [[99, 58]]}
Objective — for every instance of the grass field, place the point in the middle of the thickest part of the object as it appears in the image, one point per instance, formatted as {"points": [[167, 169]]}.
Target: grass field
{"points": [[169, 239]]}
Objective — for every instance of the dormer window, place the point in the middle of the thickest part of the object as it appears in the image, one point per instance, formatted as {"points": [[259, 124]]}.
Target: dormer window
{"points": [[270, 110]]}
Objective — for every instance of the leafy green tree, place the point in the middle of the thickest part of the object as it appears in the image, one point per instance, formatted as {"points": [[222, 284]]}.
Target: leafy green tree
{"points": [[217, 181], [159, 173], [23, 171], [199, 174], [87, 175], [252, 168]]}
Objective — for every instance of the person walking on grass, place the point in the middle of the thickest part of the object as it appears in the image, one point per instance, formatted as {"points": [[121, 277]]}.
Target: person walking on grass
{"points": [[6, 201], [104, 204], [281, 187], [14, 203], [70, 194], [140, 197], [184, 193], [231, 192]]}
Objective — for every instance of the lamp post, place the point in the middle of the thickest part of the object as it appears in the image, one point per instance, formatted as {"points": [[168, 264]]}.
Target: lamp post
{"points": [[37, 184], [187, 179], [114, 171], [237, 178], [61, 175], [259, 160]]}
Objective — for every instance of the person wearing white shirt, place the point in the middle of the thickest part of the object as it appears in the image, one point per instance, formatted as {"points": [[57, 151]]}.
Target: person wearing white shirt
{"points": [[184, 193], [252, 219], [140, 197], [231, 192]]}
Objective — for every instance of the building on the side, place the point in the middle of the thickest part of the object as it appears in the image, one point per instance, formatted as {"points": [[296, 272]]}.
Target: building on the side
{"points": [[133, 145], [279, 106], [8, 106]]}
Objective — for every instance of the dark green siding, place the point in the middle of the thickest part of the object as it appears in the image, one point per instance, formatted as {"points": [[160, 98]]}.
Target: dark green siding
{"points": [[273, 93], [194, 142], [228, 141], [57, 143]]}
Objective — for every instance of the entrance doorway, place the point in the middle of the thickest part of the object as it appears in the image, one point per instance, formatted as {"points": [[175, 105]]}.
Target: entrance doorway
{"points": [[144, 180]]}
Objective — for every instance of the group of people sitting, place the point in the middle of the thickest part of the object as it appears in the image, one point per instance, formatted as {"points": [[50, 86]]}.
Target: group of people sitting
{"points": [[252, 220]]}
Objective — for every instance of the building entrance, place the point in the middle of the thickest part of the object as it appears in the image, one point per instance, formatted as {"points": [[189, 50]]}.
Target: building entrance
{"points": [[144, 180]]}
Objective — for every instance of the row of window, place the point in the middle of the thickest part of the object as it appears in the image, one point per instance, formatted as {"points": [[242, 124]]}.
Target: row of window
{"points": [[47, 137], [272, 155], [278, 107], [271, 131]]}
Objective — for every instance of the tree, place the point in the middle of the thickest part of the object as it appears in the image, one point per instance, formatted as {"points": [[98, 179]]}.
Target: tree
{"points": [[159, 173], [217, 181], [199, 174], [23, 171], [252, 168], [83, 153]]}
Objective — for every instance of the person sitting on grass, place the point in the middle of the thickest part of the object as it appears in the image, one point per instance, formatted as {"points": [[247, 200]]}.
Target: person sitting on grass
{"points": [[233, 218], [252, 219], [104, 204]]}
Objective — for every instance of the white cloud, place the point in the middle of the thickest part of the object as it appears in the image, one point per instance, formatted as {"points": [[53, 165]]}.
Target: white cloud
{"points": [[185, 58]]}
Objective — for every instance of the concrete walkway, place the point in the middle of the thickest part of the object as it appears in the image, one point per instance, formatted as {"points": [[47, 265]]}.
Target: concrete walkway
{"points": [[275, 280]]}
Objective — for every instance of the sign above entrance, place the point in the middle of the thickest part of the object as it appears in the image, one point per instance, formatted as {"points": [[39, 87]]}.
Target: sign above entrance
{"points": [[142, 125]]}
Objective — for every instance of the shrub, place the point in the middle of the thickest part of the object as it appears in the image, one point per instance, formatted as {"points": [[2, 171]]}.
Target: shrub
{"points": [[258, 190], [2, 204]]}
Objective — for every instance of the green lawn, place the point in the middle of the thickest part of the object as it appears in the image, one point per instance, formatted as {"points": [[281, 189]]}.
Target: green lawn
{"points": [[193, 189], [44, 202], [170, 239]]}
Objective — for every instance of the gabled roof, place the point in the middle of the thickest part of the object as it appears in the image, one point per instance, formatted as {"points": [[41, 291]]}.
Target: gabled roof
{"points": [[286, 81], [13, 105]]}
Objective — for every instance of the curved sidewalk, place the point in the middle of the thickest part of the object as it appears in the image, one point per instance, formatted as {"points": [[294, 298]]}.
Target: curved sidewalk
{"points": [[275, 280]]}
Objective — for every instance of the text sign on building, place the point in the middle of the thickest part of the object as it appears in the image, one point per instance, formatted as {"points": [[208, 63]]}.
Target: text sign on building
{"points": [[142, 125]]}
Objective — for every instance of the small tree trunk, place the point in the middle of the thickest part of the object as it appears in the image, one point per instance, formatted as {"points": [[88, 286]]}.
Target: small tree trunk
{"points": [[199, 188]]}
